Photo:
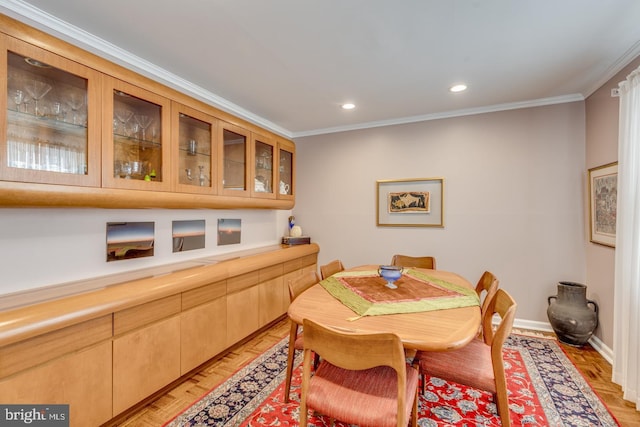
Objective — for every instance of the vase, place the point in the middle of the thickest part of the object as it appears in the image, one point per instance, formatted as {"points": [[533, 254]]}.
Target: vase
{"points": [[573, 317]]}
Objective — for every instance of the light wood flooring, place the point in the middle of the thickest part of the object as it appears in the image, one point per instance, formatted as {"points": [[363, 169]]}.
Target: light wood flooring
{"points": [[161, 408]]}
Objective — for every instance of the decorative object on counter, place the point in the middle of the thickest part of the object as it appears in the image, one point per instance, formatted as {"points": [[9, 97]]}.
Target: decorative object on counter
{"points": [[569, 314], [188, 235], [129, 240], [292, 222], [301, 240], [296, 231], [229, 231], [390, 273]]}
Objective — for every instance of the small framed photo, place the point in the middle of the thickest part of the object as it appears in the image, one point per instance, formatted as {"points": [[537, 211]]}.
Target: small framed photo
{"points": [[412, 202], [603, 198]]}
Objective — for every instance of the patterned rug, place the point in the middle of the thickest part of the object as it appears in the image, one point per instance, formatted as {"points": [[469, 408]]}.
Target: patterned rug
{"points": [[545, 389]]}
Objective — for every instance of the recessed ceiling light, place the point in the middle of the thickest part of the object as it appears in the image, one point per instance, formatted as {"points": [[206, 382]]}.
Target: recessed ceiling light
{"points": [[458, 88], [348, 106]]}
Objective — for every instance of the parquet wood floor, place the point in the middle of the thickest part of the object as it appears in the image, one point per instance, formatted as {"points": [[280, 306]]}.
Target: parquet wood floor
{"points": [[164, 406]]}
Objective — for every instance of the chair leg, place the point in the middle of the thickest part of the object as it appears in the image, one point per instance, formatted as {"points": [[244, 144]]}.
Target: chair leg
{"points": [[502, 404], [414, 412], [293, 333]]}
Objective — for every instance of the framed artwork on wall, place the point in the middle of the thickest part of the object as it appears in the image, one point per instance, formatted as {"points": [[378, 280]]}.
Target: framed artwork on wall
{"points": [[603, 198], [411, 202]]}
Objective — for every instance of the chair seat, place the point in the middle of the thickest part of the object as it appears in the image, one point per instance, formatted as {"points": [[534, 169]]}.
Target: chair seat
{"points": [[475, 357], [339, 392]]}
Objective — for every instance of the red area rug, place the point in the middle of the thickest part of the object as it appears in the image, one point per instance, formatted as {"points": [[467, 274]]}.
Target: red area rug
{"points": [[545, 389]]}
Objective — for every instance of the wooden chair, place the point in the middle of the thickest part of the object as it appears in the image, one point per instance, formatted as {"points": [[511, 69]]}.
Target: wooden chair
{"points": [[412, 261], [296, 340], [331, 268], [479, 364], [487, 285], [363, 378]]}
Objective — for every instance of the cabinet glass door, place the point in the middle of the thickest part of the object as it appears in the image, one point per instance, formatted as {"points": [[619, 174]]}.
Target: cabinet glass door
{"points": [[286, 170], [51, 118], [136, 128], [234, 154], [195, 136], [263, 170]]}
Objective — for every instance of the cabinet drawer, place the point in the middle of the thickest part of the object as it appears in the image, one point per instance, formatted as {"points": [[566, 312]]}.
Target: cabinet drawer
{"points": [[244, 281], [37, 350], [140, 315], [203, 294]]}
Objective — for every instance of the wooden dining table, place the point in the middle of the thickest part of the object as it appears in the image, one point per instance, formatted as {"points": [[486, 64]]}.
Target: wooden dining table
{"points": [[434, 330]]}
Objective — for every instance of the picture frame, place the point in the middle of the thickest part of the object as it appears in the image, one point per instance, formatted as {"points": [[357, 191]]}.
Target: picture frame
{"points": [[603, 196], [410, 202]]}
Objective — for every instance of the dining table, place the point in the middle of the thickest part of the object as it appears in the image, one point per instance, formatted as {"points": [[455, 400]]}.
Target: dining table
{"points": [[432, 310]]}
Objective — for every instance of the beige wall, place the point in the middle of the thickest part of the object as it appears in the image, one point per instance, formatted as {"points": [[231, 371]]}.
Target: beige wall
{"points": [[514, 196], [602, 148]]}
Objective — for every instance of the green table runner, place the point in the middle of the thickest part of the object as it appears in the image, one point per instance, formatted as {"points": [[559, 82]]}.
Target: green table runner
{"points": [[365, 293]]}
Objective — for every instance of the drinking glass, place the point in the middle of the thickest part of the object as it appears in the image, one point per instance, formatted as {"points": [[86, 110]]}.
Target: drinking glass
{"points": [[123, 115], [37, 89], [144, 121], [75, 101]]}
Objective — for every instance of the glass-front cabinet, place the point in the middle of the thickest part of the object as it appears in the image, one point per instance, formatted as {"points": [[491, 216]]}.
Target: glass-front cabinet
{"points": [[263, 176], [286, 170], [195, 150], [50, 121], [136, 133], [234, 152]]}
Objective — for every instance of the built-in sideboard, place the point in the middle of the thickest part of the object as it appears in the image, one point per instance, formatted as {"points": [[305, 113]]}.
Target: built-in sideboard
{"points": [[105, 350]]}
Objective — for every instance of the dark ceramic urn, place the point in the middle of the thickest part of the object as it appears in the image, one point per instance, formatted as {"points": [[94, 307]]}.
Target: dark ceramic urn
{"points": [[573, 317]]}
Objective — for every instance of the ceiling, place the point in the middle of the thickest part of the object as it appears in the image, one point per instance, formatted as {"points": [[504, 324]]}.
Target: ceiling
{"points": [[288, 65]]}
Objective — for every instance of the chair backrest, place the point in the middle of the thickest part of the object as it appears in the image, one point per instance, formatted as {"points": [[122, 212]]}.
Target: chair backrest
{"points": [[300, 284], [505, 306], [331, 268], [356, 351], [487, 285], [413, 261]]}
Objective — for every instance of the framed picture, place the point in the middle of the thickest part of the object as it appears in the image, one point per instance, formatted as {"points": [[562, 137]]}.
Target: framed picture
{"points": [[412, 202], [603, 198]]}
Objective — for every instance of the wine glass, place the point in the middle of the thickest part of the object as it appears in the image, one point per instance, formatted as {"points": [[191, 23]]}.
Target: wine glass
{"points": [[75, 101], [144, 121], [123, 115], [37, 89]]}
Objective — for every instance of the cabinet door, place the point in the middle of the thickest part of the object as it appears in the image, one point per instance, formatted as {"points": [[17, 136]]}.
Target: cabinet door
{"points": [[242, 314], [263, 151], [234, 155], [81, 379], [144, 361], [50, 121], [195, 150], [286, 170], [135, 132]]}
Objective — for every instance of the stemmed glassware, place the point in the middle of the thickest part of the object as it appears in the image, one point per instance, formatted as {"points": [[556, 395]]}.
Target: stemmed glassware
{"points": [[75, 100], [123, 115], [144, 121], [37, 89]]}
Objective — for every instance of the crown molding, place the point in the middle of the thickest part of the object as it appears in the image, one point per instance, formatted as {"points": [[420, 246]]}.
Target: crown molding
{"points": [[50, 24], [446, 115]]}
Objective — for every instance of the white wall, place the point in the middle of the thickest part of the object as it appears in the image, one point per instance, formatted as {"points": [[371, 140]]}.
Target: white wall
{"points": [[44, 247], [514, 196]]}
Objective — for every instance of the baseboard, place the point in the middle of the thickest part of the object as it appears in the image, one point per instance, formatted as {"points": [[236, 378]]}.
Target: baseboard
{"points": [[596, 343]]}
